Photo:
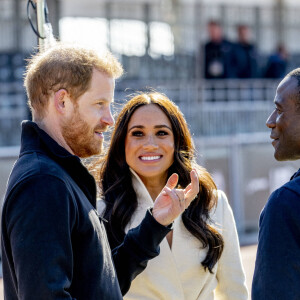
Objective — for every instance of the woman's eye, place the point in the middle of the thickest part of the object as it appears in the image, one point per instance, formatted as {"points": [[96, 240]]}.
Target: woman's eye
{"points": [[162, 133], [137, 133]]}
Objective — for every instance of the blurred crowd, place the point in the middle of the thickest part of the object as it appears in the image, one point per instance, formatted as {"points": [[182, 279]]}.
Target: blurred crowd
{"points": [[224, 58]]}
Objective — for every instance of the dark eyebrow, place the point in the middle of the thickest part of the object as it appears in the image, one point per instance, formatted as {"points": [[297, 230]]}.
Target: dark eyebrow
{"points": [[156, 126], [162, 126]]}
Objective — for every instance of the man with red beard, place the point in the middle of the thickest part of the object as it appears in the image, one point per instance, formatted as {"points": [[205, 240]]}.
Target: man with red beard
{"points": [[54, 245], [277, 266]]}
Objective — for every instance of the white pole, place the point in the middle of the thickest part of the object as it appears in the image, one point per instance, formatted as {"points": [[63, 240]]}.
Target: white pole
{"points": [[40, 12]]}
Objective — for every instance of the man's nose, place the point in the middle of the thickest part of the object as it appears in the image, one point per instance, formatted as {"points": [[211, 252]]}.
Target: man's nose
{"points": [[108, 118], [271, 121]]}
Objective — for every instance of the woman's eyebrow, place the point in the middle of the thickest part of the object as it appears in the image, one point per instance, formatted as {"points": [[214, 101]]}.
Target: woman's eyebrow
{"points": [[156, 126], [136, 126], [162, 126]]}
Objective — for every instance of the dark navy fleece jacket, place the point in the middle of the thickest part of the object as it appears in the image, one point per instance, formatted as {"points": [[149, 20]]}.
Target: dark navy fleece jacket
{"points": [[54, 245], [277, 267]]}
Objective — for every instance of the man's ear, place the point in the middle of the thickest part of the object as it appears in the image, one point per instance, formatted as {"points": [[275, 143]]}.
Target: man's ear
{"points": [[61, 99]]}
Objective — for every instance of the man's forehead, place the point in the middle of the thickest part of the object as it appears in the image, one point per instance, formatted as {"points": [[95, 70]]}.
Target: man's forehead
{"points": [[289, 85], [287, 90], [288, 82]]}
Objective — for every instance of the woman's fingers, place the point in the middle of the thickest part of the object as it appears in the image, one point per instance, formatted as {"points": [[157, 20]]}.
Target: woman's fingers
{"points": [[192, 189], [172, 181], [181, 198]]}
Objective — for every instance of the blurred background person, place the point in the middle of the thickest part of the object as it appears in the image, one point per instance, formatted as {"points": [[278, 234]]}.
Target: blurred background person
{"points": [[218, 58], [200, 258], [277, 63], [245, 54]]}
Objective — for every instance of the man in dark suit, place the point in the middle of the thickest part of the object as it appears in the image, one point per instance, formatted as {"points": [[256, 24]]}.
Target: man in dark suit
{"points": [[277, 267], [245, 54], [277, 63], [218, 54]]}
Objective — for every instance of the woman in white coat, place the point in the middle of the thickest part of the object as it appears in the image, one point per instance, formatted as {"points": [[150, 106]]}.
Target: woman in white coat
{"points": [[200, 257]]}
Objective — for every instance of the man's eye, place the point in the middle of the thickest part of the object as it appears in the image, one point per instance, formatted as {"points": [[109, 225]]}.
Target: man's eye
{"points": [[278, 110]]}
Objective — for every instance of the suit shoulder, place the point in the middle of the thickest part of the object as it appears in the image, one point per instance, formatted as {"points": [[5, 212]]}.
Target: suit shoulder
{"points": [[285, 200], [33, 165], [37, 163], [292, 185]]}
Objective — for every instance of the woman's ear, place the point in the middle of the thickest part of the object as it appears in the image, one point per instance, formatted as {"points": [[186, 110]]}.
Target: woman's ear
{"points": [[61, 97]]}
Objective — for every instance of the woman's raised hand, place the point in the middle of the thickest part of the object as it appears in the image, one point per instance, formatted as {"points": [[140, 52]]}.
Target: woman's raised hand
{"points": [[171, 202]]}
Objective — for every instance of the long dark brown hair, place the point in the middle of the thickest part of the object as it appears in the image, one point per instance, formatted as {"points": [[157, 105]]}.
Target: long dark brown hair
{"points": [[120, 197]]}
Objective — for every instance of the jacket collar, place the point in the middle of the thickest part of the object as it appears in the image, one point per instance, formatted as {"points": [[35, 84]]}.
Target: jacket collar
{"points": [[297, 174], [34, 139], [140, 189]]}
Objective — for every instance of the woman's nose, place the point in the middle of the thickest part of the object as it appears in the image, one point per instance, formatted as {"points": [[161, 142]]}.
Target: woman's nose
{"points": [[150, 142]]}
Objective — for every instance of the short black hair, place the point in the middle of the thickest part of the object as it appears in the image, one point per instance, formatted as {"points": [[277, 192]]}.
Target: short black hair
{"points": [[296, 74]]}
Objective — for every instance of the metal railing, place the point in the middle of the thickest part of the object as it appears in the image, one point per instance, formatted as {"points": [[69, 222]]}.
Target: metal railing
{"points": [[214, 107], [211, 107], [13, 110]]}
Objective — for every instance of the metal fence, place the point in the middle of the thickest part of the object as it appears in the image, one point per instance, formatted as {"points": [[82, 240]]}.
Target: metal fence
{"points": [[244, 167], [212, 108], [13, 107], [270, 22], [13, 110]]}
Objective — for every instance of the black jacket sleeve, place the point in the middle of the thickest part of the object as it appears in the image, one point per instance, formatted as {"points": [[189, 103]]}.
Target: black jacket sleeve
{"points": [[277, 267], [140, 245], [38, 220]]}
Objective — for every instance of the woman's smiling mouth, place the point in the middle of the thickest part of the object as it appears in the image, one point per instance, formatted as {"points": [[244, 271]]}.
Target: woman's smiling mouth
{"points": [[150, 158]]}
